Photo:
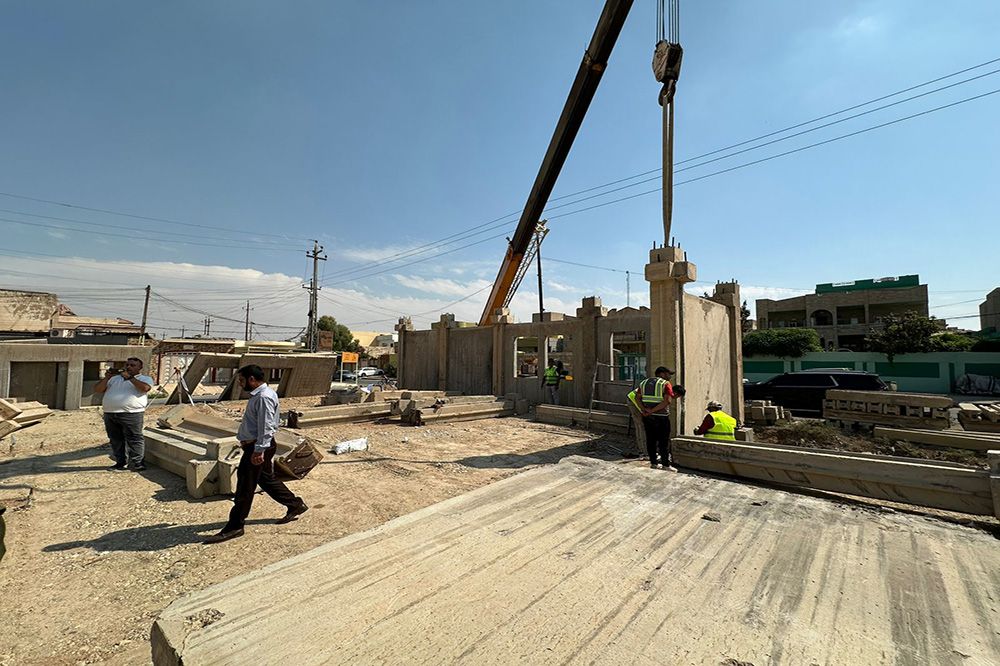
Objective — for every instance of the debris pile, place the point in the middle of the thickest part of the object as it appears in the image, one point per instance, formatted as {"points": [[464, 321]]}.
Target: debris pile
{"points": [[15, 415]]}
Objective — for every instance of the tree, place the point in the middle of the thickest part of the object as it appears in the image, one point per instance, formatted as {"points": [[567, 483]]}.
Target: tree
{"points": [[910, 334], [955, 342], [343, 339], [782, 342], [744, 318]]}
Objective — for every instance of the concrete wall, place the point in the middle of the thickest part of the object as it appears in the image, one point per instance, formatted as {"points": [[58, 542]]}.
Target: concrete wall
{"points": [[418, 365], [920, 373], [59, 371], [28, 312], [708, 360], [470, 360]]}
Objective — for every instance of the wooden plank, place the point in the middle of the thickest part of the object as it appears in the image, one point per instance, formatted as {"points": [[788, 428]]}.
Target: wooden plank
{"points": [[952, 439], [924, 483], [33, 415], [8, 410], [892, 398]]}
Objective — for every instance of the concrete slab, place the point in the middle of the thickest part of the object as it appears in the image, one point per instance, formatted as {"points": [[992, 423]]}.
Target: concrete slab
{"points": [[587, 562]]}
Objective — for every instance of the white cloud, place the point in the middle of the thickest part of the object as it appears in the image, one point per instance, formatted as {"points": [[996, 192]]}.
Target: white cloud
{"points": [[440, 286], [56, 234]]}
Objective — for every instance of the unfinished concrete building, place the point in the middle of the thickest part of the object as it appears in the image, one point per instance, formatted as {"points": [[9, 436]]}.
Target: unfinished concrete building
{"points": [[60, 376], [604, 351], [989, 311]]}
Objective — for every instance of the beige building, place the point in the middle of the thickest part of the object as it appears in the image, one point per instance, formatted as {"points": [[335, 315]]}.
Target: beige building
{"points": [[989, 311], [844, 313]]}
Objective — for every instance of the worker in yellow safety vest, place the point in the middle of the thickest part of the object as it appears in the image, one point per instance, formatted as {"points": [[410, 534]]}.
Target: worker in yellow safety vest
{"points": [[651, 399], [550, 383], [718, 424]]}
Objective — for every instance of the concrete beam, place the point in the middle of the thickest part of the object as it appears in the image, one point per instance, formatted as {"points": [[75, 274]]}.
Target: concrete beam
{"points": [[927, 483], [954, 439]]}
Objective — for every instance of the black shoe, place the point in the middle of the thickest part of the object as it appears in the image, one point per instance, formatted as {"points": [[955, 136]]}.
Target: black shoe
{"points": [[293, 514], [139, 468], [224, 536], [117, 467], [652, 465]]}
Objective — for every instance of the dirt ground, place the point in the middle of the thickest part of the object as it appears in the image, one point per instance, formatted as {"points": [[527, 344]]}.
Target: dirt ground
{"points": [[93, 555]]}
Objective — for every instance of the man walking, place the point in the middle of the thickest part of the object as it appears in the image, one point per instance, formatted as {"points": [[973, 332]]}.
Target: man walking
{"points": [[717, 424], [550, 383], [655, 395], [256, 435], [124, 405]]}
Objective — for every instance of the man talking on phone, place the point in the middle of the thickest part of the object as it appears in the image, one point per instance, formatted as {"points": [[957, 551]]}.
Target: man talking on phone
{"points": [[124, 405]]}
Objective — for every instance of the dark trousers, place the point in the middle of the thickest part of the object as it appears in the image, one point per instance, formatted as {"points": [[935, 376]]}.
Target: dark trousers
{"points": [[657, 437], [125, 434], [248, 477]]}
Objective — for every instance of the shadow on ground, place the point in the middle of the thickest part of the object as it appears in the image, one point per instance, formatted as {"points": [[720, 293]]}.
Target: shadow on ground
{"points": [[147, 537]]}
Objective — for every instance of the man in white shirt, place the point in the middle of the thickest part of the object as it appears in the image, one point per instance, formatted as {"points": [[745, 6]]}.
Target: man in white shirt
{"points": [[124, 404]]}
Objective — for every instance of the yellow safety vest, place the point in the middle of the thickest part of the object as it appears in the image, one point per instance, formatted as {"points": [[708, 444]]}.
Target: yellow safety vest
{"points": [[725, 426], [551, 376]]}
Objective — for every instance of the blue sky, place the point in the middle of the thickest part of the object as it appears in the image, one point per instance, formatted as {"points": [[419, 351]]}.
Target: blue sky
{"points": [[244, 129]]}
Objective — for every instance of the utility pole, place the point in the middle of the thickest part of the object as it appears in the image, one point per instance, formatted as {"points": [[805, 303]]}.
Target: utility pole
{"points": [[208, 324], [540, 232], [246, 336], [628, 289], [182, 332], [312, 334], [145, 311]]}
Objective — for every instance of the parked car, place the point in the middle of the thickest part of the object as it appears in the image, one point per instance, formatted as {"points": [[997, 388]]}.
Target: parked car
{"points": [[370, 372], [346, 376], [803, 392]]}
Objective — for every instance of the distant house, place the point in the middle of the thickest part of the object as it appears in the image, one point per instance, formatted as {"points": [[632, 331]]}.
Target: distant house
{"points": [[845, 313], [989, 311], [37, 314]]}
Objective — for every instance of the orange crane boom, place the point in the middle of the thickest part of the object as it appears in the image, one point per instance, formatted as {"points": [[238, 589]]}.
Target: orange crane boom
{"points": [[595, 60]]}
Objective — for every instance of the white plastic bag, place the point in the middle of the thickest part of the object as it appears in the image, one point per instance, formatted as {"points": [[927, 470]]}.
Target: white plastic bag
{"points": [[350, 445]]}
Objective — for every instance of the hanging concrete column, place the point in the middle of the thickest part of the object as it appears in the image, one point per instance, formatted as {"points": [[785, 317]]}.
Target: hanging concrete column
{"points": [[728, 294], [667, 272]]}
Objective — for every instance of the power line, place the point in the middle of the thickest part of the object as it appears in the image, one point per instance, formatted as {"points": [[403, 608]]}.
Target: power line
{"points": [[142, 217], [487, 226], [132, 229], [133, 240]]}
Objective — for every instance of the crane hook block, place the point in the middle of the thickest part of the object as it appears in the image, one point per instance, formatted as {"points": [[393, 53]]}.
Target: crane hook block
{"points": [[667, 61]]}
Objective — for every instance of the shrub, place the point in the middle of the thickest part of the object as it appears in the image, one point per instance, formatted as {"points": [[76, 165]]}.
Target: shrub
{"points": [[784, 342]]}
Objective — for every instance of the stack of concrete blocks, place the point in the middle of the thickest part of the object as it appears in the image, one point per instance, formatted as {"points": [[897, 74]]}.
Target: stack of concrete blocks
{"points": [[983, 417], [904, 410], [762, 412], [16, 415], [202, 448], [462, 408]]}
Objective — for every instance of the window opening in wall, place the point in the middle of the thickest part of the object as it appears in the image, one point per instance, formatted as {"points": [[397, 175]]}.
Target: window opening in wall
{"points": [[526, 357], [628, 354], [559, 349]]}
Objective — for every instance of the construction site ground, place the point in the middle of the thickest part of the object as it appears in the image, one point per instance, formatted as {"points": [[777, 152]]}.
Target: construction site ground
{"points": [[95, 556]]}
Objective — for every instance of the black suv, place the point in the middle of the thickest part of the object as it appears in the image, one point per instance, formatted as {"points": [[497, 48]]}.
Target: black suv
{"points": [[803, 392]]}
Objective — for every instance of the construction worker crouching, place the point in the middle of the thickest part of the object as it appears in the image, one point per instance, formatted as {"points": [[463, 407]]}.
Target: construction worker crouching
{"points": [[718, 424], [652, 398]]}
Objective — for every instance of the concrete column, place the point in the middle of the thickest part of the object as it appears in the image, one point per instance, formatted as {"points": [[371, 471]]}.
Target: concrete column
{"points": [[447, 322], [74, 385], [503, 363], [667, 272], [4, 379], [588, 316], [728, 294], [404, 325]]}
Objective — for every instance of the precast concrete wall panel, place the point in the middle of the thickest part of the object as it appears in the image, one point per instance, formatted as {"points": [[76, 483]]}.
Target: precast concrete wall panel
{"points": [[470, 360], [421, 361], [708, 358]]}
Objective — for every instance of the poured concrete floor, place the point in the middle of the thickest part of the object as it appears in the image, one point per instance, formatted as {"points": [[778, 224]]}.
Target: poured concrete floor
{"points": [[589, 562]]}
